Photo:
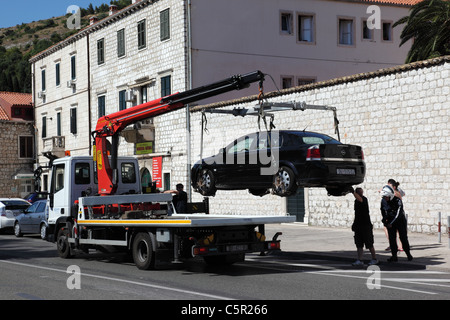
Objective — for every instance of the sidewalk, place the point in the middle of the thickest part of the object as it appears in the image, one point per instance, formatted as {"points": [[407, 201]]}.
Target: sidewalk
{"points": [[337, 243]]}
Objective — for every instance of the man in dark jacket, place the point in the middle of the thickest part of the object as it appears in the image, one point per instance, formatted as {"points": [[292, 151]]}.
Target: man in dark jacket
{"points": [[395, 221]]}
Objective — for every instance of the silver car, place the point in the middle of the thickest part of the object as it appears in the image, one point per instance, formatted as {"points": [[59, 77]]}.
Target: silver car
{"points": [[33, 220], [9, 209]]}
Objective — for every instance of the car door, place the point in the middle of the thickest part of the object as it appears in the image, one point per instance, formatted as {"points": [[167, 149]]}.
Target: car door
{"points": [[238, 162], [27, 219], [36, 217]]}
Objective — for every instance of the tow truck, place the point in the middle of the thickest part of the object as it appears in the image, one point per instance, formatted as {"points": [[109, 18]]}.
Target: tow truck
{"points": [[97, 202]]}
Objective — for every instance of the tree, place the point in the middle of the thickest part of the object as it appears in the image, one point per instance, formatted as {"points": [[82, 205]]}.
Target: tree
{"points": [[428, 26]]}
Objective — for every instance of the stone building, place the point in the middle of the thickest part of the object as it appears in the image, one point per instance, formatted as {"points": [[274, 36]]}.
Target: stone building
{"points": [[16, 144], [157, 47]]}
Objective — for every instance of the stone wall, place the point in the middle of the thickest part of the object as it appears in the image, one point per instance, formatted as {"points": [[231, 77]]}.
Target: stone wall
{"points": [[400, 116], [10, 162]]}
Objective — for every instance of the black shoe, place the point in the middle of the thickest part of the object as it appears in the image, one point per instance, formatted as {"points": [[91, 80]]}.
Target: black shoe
{"points": [[392, 259], [410, 257]]}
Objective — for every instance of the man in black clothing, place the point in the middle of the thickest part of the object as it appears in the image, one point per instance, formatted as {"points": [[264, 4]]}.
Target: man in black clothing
{"points": [[395, 221], [179, 199], [363, 228]]}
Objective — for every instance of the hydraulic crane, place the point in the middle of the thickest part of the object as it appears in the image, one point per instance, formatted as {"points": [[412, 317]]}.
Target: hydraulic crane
{"points": [[111, 125]]}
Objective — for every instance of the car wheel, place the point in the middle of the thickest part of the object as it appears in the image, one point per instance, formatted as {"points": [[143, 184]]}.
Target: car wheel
{"points": [[17, 232], [284, 182], [206, 183], [43, 232]]}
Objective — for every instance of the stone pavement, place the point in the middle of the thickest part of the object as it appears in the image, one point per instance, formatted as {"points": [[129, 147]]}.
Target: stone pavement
{"points": [[337, 243]]}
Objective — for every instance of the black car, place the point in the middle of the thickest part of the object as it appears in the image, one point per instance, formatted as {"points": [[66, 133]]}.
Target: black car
{"points": [[281, 161]]}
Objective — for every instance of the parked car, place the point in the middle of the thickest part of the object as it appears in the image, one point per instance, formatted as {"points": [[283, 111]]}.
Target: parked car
{"points": [[297, 159], [35, 196], [9, 209], [33, 220]]}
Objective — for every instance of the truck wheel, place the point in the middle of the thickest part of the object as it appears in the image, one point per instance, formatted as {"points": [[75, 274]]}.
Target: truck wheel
{"points": [[62, 244], [143, 254]]}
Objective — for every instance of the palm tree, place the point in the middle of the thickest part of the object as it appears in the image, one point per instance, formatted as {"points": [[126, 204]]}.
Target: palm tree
{"points": [[428, 25]]}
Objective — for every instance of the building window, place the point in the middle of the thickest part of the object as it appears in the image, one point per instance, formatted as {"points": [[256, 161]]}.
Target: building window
{"points": [[346, 32], [367, 34], [387, 31], [304, 81], [58, 74], [287, 82], [73, 121], [142, 38], [43, 80], [122, 101], [101, 51], [58, 124], [166, 86], [306, 28], [73, 67], [165, 24], [121, 43], [44, 127], [26, 147], [286, 23], [101, 106], [144, 94]]}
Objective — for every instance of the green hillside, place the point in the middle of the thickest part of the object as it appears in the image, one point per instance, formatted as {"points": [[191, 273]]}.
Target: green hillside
{"points": [[19, 43]]}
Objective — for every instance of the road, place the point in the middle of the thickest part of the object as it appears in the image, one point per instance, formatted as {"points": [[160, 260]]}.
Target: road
{"points": [[30, 269]]}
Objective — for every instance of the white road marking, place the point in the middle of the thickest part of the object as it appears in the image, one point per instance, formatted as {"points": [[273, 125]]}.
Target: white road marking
{"points": [[123, 281]]}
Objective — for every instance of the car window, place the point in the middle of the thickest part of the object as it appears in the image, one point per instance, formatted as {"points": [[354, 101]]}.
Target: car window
{"points": [[41, 207], [33, 207], [15, 204], [268, 140], [295, 139], [313, 140], [242, 144]]}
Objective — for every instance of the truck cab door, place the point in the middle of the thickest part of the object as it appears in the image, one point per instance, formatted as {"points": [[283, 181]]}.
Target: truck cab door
{"points": [[59, 192]]}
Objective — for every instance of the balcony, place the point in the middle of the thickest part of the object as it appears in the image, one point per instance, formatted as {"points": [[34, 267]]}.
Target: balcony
{"points": [[54, 146]]}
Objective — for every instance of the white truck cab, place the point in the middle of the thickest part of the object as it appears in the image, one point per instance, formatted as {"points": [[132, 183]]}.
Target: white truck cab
{"points": [[75, 177]]}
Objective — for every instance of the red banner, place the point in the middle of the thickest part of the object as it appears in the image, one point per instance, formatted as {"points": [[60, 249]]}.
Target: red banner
{"points": [[157, 171]]}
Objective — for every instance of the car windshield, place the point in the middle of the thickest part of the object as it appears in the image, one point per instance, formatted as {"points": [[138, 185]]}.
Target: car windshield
{"points": [[15, 204]]}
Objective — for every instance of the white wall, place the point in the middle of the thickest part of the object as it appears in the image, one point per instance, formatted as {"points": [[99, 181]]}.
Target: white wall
{"points": [[400, 116]]}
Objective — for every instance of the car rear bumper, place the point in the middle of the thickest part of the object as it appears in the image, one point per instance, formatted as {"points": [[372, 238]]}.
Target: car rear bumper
{"points": [[321, 174]]}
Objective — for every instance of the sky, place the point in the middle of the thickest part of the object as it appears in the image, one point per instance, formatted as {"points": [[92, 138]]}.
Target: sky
{"points": [[14, 12]]}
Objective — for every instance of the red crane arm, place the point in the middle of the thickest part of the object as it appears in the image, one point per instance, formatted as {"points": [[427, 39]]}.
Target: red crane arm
{"points": [[111, 125]]}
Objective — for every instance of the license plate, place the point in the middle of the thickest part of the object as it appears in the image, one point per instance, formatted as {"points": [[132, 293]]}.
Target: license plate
{"points": [[237, 247], [348, 172]]}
